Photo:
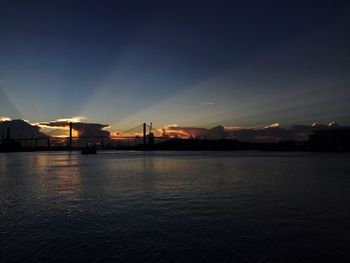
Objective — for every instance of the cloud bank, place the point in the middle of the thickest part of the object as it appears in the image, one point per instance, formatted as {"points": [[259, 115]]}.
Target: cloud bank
{"points": [[84, 129], [270, 133], [21, 129]]}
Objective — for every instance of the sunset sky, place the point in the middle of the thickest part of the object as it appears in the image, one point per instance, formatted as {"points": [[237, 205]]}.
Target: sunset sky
{"points": [[191, 63]]}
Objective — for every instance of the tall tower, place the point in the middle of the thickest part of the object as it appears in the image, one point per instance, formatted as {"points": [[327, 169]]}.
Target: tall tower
{"points": [[144, 133], [70, 135]]}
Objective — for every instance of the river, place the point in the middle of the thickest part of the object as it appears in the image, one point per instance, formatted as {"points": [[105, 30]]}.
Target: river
{"points": [[174, 207]]}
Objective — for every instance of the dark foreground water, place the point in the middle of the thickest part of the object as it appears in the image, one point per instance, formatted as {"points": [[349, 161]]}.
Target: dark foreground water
{"points": [[174, 207]]}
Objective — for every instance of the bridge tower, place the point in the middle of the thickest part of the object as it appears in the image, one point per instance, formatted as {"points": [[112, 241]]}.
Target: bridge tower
{"points": [[70, 135], [144, 133]]}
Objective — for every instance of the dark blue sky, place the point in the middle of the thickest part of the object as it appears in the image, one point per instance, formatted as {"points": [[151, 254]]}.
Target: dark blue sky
{"points": [[198, 63]]}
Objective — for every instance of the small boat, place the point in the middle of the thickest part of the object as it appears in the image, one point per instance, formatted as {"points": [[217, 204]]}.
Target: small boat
{"points": [[88, 151]]}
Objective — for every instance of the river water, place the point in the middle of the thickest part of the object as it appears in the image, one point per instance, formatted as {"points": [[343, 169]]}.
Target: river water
{"points": [[174, 207]]}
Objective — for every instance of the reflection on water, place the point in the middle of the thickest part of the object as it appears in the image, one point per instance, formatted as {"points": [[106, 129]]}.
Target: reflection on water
{"points": [[174, 206]]}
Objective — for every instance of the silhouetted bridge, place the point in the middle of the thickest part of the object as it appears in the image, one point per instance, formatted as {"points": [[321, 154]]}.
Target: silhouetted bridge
{"points": [[141, 134]]}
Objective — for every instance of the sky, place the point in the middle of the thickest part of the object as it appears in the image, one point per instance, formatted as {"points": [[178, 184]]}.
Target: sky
{"points": [[190, 63]]}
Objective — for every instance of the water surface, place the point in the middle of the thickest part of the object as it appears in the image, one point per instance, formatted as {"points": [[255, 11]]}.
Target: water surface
{"points": [[175, 207]]}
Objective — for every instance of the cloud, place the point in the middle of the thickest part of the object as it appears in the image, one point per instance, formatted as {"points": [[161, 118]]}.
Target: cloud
{"points": [[273, 125], [266, 134], [20, 129], [270, 133], [3, 118], [73, 119], [91, 129], [84, 129], [274, 132], [215, 133]]}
